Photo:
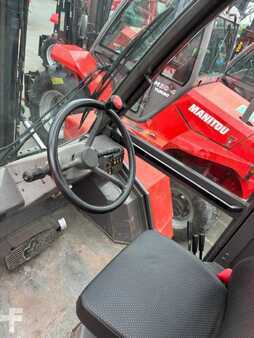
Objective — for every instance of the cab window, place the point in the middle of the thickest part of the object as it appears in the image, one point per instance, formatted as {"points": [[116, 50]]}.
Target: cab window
{"points": [[243, 70], [137, 16], [220, 48], [180, 68]]}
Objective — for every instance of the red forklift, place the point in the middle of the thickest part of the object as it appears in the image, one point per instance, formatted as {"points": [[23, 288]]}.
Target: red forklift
{"points": [[152, 288], [197, 64], [75, 22]]}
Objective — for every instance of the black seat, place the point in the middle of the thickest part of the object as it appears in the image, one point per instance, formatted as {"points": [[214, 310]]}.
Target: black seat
{"points": [[154, 288]]}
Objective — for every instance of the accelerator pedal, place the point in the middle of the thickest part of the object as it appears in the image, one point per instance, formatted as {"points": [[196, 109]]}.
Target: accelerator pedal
{"points": [[34, 246]]}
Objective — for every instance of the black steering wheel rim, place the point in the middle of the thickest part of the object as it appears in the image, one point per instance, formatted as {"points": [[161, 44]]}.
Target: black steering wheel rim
{"points": [[54, 163]]}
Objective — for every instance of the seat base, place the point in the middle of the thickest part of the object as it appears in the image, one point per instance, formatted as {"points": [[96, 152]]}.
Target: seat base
{"points": [[153, 288], [81, 332]]}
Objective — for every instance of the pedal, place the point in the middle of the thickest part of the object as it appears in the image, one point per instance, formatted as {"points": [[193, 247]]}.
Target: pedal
{"points": [[32, 247]]}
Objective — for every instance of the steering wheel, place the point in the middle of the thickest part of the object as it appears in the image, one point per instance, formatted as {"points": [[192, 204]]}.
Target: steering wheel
{"points": [[88, 158]]}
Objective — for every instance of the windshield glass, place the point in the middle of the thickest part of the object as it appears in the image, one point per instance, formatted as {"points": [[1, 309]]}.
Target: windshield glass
{"points": [[243, 70], [135, 18], [219, 48], [33, 88], [180, 67]]}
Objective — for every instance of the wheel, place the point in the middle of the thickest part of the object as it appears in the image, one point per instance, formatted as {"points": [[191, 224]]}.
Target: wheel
{"points": [[47, 90], [187, 206], [45, 52]]}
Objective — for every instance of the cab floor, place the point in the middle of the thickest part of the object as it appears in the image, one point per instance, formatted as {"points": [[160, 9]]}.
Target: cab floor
{"points": [[46, 288]]}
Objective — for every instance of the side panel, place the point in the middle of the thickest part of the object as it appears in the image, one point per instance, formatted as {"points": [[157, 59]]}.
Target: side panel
{"points": [[158, 187], [212, 110]]}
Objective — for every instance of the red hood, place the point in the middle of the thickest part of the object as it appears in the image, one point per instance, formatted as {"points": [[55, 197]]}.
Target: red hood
{"points": [[213, 111], [74, 58]]}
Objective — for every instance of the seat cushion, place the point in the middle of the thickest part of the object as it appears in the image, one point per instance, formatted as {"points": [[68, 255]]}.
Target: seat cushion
{"points": [[153, 288], [238, 320]]}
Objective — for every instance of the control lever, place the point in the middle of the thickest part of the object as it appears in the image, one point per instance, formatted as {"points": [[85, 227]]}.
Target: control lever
{"points": [[35, 174], [40, 173], [195, 238], [201, 243], [195, 241], [189, 235]]}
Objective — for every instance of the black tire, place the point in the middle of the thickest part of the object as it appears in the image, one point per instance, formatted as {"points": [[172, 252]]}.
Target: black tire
{"points": [[188, 206], [45, 51], [58, 83]]}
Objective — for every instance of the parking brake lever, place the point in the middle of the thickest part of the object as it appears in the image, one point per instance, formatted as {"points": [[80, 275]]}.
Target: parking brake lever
{"points": [[189, 235], [201, 243], [195, 244]]}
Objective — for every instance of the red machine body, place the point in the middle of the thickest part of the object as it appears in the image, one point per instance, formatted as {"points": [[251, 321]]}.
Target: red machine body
{"points": [[205, 127], [75, 59], [202, 127], [158, 187]]}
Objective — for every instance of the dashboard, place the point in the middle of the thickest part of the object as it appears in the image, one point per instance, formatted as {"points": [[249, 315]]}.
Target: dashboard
{"points": [[17, 192]]}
